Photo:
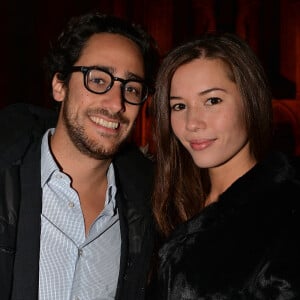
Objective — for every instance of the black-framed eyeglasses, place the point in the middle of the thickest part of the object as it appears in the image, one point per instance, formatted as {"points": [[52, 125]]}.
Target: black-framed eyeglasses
{"points": [[100, 81]]}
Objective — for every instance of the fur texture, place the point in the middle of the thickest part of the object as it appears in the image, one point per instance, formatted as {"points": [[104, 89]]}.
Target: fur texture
{"points": [[244, 246]]}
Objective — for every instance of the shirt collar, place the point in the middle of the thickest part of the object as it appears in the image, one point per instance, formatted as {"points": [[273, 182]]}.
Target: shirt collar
{"points": [[48, 164], [111, 186]]}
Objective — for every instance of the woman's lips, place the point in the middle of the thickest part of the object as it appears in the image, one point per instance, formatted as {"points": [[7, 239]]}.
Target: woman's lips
{"points": [[201, 144]]}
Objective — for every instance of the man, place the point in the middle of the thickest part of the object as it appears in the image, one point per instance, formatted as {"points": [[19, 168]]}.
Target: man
{"points": [[75, 219]]}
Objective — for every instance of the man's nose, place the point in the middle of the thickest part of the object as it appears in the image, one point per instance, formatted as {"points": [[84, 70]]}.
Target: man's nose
{"points": [[113, 100]]}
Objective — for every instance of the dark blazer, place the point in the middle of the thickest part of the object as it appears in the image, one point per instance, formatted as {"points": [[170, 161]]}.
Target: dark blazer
{"points": [[21, 204], [244, 246]]}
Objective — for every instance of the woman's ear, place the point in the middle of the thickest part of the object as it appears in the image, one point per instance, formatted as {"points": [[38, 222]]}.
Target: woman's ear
{"points": [[58, 89]]}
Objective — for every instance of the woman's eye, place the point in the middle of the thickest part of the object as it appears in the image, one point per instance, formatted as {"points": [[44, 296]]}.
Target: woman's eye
{"points": [[178, 106], [213, 101]]}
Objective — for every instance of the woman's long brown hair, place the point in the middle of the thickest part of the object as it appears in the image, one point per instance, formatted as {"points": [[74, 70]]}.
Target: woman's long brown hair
{"points": [[180, 186]]}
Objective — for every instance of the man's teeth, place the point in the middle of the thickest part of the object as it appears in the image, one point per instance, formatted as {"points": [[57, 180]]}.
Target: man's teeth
{"points": [[104, 123]]}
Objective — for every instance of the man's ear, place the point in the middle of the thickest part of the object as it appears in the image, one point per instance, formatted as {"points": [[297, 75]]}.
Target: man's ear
{"points": [[58, 89]]}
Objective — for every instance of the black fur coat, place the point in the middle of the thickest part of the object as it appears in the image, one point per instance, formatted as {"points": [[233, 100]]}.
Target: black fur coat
{"points": [[245, 246]]}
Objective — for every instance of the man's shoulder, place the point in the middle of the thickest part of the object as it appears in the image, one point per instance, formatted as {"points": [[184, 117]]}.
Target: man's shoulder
{"points": [[134, 171], [20, 124], [131, 159], [22, 116]]}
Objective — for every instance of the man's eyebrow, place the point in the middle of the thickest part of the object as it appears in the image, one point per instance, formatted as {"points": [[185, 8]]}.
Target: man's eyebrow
{"points": [[128, 75], [106, 68]]}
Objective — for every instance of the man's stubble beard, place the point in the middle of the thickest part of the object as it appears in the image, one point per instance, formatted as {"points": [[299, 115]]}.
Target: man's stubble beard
{"points": [[83, 143]]}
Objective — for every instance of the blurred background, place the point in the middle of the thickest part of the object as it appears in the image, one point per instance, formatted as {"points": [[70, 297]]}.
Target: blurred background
{"points": [[271, 27]]}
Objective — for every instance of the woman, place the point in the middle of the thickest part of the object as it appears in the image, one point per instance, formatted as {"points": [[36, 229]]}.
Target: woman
{"points": [[227, 206]]}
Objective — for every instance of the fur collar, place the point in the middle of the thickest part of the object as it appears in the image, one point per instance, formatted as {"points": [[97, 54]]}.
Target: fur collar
{"points": [[244, 246], [253, 194]]}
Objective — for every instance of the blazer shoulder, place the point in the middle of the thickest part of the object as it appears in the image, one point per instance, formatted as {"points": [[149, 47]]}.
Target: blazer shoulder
{"points": [[132, 162], [20, 125]]}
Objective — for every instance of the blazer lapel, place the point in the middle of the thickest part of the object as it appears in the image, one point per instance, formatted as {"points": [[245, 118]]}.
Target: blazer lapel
{"points": [[124, 241], [26, 267]]}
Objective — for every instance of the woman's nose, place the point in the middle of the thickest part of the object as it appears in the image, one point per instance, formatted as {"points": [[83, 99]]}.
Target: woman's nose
{"points": [[195, 119]]}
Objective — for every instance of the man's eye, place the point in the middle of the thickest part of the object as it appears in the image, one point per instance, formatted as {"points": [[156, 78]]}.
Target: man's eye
{"points": [[97, 81], [178, 106], [133, 90], [213, 101]]}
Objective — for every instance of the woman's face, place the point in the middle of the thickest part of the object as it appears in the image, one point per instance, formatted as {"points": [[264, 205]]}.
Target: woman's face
{"points": [[207, 113]]}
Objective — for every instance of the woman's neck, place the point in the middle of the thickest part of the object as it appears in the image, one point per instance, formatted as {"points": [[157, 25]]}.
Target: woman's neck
{"points": [[223, 176]]}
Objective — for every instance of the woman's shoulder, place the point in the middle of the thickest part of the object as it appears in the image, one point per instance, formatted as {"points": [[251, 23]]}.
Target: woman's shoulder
{"points": [[265, 200]]}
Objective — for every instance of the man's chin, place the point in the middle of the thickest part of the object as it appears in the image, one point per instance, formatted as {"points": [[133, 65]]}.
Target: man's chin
{"points": [[103, 153]]}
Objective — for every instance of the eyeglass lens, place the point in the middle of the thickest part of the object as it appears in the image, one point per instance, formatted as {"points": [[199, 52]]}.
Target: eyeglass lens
{"points": [[100, 82]]}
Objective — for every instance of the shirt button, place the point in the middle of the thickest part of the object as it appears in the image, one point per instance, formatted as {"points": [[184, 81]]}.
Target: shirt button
{"points": [[71, 204], [80, 251], [58, 176]]}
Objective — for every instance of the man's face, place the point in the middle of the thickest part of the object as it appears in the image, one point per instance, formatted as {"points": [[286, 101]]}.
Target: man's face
{"points": [[97, 124]]}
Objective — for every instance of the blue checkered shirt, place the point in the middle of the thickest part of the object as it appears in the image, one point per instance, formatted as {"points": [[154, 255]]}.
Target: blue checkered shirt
{"points": [[73, 265]]}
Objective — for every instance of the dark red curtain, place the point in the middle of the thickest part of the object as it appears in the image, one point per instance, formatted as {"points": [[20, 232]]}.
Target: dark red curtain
{"points": [[271, 27]]}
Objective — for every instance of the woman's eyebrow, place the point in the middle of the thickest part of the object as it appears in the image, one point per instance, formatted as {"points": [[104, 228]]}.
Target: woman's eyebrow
{"points": [[212, 90], [201, 93], [174, 98]]}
